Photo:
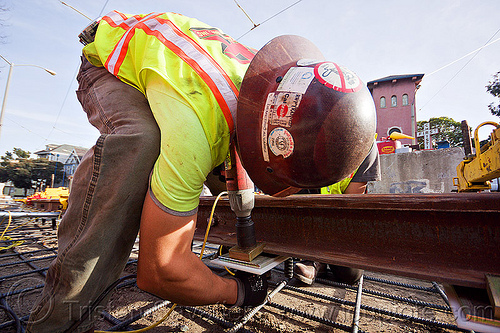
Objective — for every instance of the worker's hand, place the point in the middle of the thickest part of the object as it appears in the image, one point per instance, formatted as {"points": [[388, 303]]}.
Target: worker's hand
{"points": [[254, 288]]}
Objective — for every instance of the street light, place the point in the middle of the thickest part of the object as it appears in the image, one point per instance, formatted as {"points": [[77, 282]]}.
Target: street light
{"points": [[11, 64]]}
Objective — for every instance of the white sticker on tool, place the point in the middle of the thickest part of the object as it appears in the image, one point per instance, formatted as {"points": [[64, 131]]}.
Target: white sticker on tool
{"points": [[336, 77], [297, 79], [284, 106], [265, 122], [281, 142]]}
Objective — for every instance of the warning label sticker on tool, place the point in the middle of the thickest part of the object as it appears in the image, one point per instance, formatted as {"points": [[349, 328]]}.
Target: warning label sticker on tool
{"points": [[283, 107], [297, 79], [338, 78], [281, 142]]}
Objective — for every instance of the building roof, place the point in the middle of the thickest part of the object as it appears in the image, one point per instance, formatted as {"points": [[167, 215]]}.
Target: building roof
{"points": [[80, 151], [61, 149], [398, 77], [77, 153]]}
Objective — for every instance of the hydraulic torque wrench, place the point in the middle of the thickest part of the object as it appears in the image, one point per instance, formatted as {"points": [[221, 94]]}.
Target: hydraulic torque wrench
{"points": [[241, 198]]}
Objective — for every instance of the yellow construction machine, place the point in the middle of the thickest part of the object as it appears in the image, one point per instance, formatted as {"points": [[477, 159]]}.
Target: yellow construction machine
{"points": [[477, 169]]}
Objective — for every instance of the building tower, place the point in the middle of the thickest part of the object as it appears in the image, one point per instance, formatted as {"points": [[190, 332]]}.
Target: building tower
{"points": [[394, 98]]}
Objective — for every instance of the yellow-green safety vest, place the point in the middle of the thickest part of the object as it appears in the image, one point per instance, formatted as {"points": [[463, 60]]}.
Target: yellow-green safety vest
{"points": [[338, 188], [203, 64]]}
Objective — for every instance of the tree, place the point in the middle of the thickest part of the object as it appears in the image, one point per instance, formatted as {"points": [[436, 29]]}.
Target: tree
{"points": [[16, 151], [21, 153], [23, 171], [449, 130], [494, 88]]}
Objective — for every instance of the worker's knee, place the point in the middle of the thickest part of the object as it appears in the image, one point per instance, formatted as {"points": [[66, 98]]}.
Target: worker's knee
{"points": [[148, 139]]}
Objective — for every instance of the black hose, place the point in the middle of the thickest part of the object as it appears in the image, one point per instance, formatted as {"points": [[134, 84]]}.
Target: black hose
{"points": [[26, 261]]}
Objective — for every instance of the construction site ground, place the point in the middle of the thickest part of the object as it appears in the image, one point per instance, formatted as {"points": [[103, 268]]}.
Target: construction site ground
{"points": [[388, 303]]}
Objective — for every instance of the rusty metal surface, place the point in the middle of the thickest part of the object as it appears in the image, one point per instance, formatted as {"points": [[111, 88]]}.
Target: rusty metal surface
{"points": [[452, 238]]}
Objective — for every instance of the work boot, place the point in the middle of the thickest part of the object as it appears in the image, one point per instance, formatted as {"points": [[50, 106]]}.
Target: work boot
{"points": [[306, 271]]}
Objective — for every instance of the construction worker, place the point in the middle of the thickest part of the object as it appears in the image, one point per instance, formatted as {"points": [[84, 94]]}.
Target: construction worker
{"points": [[306, 271], [162, 89]]}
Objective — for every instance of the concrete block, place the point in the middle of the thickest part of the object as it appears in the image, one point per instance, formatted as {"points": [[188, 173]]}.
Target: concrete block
{"points": [[428, 171]]}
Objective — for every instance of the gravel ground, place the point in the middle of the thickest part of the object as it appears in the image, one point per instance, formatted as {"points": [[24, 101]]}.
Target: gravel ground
{"points": [[297, 308]]}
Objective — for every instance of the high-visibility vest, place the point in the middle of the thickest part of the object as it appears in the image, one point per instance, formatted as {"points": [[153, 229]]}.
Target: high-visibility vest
{"points": [[200, 62], [338, 188]]}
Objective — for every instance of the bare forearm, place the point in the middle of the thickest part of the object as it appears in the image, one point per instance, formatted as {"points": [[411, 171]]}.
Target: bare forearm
{"points": [[355, 188], [167, 267], [187, 281]]}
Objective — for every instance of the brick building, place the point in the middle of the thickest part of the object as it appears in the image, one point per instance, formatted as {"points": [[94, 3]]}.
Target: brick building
{"points": [[394, 98]]}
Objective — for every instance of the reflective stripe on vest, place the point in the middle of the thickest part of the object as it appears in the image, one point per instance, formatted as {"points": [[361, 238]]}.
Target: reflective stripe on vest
{"points": [[183, 46]]}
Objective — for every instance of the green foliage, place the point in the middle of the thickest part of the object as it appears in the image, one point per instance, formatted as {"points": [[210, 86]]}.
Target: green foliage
{"points": [[494, 88], [21, 153], [22, 170], [449, 130], [8, 156]]}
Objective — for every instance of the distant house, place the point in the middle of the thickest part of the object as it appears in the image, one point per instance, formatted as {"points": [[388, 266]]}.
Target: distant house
{"points": [[394, 98], [58, 153], [73, 161], [70, 156]]}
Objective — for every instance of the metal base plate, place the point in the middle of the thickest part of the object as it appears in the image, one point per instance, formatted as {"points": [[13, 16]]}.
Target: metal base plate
{"points": [[247, 254], [259, 265]]}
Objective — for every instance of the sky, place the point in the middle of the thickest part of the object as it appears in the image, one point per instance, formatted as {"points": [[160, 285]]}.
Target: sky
{"points": [[374, 38]]}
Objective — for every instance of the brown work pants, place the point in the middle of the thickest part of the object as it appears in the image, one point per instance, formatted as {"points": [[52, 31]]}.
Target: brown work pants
{"points": [[99, 227]]}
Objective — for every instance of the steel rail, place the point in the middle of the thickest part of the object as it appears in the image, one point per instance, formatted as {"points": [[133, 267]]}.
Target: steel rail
{"points": [[450, 238]]}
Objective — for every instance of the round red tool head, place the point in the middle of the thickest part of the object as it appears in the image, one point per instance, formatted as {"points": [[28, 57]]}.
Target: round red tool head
{"points": [[302, 121]]}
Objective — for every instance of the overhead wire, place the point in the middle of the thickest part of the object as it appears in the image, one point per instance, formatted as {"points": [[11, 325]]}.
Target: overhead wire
{"points": [[475, 53], [488, 43], [104, 6], [24, 127], [46, 139], [244, 12], [63, 103], [266, 20]]}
